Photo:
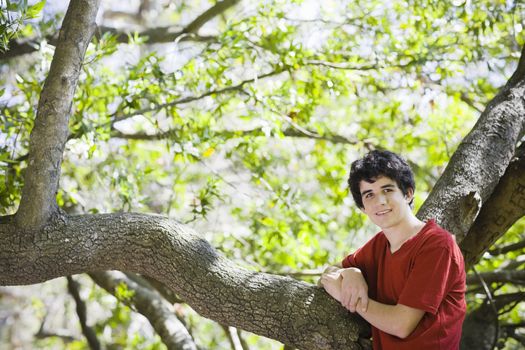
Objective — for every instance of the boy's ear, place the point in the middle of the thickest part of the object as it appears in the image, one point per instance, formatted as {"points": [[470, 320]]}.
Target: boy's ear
{"points": [[410, 194]]}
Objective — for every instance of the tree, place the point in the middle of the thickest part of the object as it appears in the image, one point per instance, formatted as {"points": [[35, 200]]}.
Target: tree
{"points": [[40, 241]]}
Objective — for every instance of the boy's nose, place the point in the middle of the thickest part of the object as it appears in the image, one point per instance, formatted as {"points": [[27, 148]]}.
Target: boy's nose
{"points": [[381, 199]]}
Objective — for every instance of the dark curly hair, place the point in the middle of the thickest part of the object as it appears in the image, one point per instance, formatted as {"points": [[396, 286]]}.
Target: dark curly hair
{"points": [[380, 163]]}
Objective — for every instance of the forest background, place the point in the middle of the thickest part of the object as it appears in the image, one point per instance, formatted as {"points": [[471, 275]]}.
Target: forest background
{"points": [[239, 119]]}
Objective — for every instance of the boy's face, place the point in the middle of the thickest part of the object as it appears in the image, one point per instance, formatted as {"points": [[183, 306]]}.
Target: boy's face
{"points": [[384, 203]]}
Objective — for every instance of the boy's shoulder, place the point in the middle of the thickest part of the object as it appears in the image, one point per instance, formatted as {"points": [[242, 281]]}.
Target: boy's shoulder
{"points": [[436, 236]]}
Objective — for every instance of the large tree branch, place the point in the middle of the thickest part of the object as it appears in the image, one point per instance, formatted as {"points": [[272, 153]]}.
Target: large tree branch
{"points": [[50, 131], [501, 210], [281, 308], [159, 312], [480, 160]]}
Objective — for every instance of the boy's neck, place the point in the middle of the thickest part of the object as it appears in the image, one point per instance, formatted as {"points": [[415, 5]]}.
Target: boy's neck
{"points": [[402, 232]]}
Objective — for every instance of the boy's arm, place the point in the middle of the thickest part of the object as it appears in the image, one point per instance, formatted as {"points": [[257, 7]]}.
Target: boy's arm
{"points": [[398, 320], [347, 286]]}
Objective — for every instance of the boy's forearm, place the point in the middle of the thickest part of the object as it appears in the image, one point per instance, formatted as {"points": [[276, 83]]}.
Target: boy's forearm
{"points": [[398, 320]]}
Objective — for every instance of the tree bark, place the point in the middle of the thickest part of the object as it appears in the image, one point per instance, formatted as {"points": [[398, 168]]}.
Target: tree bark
{"points": [[49, 134], [293, 312], [158, 311], [502, 209], [35, 248], [480, 160]]}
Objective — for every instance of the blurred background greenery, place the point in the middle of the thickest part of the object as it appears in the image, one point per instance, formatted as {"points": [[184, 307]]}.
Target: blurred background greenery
{"points": [[240, 118]]}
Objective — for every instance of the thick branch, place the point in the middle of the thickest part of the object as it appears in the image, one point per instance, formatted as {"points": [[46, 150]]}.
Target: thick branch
{"points": [[158, 311], [50, 131], [501, 210], [479, 162], [293, 312]]}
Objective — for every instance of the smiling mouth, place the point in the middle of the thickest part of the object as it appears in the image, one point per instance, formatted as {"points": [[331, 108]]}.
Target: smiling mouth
{"points": [[383, 212]]}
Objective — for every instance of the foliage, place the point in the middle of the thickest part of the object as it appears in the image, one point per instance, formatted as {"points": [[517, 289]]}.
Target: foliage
{"points": [[13, 19], [248, 137]]}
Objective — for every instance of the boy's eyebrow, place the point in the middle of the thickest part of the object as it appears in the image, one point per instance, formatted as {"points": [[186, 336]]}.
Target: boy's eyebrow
{"points": [[365, 192], [384, 186], [388, 186]]}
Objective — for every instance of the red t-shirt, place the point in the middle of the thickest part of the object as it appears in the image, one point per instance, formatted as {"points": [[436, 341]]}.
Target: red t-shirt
{"points": [[426, 273]]}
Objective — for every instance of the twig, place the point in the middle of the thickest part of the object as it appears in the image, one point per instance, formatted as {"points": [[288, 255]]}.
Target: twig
{"points": [[493, 305]]}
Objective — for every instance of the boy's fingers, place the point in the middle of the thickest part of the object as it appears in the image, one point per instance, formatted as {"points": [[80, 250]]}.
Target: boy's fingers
{"points": [[353, 302], [364, 303]]}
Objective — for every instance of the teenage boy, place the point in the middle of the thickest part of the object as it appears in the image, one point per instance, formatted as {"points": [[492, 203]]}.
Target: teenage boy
{"points": [[408, 281]]}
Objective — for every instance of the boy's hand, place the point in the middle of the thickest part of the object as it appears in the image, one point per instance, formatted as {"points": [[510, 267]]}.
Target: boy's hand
{"points": [[328, 270], [354, 289], [331, 281]]}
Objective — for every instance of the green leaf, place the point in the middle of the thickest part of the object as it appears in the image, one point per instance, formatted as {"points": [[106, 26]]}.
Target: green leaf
{"points": [[34, 10]]}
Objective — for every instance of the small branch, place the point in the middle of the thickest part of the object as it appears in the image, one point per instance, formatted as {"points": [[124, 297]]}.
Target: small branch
{"points": [[519, 74], [116, 118], [159, 312], [219, 8], [310, 134], [514, 264], [233, 337], [244, 344], [513, 325], [153, 35], [89, 333], [515, 277], [63, 334], [507, 248], [503, 300], [492, 305]]}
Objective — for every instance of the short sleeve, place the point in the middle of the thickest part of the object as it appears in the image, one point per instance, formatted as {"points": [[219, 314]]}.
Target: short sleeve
{"points": [[429, 279], [349, 261], [365, 257]]}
